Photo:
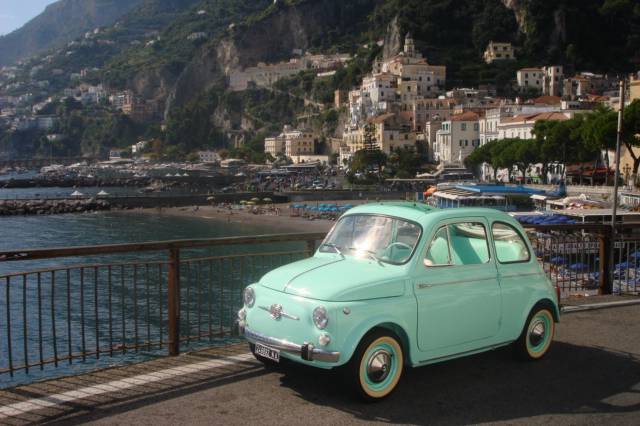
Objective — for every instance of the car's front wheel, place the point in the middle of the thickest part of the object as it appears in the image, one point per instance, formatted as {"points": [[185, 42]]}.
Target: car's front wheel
{"points": [[537, 335], [376, 366]]}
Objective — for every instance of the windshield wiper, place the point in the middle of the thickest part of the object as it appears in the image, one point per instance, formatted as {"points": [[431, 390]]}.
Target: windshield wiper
{"points": [[370, 253], [335, 247]]}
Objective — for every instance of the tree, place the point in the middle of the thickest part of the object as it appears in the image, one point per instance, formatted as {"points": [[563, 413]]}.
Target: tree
{"points": [[365, 160], [631, 134]]}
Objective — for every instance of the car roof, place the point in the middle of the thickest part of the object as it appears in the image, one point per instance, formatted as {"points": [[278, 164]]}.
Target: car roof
{"points": [[427, 215]]}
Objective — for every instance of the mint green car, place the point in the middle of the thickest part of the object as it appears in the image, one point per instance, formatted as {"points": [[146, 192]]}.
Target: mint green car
{"points": [[397, 284]]}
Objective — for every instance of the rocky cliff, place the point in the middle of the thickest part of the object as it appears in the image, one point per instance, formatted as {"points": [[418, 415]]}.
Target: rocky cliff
{"points": [[272, 38], [60, 23]]}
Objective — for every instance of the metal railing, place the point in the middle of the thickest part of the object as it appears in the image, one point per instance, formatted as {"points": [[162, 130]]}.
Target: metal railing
{"points": [[587, 259], [168, 294], [81, 303]]}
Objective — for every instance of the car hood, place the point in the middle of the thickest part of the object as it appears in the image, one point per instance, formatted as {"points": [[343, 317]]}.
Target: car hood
{"points": [[336, 278]]}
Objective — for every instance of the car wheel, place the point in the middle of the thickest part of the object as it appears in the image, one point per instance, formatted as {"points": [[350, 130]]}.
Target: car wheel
{"points": [[376, 366], [537, 335]]}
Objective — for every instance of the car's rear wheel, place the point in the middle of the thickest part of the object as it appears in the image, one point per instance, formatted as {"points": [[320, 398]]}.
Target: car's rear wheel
{"points": [[537, 335], [376, 366]]}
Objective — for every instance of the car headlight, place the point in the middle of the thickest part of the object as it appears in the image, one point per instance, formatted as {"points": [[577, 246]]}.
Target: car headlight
{"points": [[249, 297], [242, 315], [320, 317]]}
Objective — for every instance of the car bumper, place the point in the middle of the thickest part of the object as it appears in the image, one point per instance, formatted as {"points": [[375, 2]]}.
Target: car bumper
{"points": [[306, 351]]}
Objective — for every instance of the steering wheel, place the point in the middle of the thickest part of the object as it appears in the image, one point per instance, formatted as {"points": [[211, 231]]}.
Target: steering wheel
{"points": [[388, 251], [399, 243]]}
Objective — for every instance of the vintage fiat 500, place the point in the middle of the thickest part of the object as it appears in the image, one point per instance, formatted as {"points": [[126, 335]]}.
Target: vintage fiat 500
{"points": [[397, 284]]}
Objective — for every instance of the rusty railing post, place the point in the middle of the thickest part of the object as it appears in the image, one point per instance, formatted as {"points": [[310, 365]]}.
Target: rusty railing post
{"points": [[311, 247], [606, 246], [173, 302]]}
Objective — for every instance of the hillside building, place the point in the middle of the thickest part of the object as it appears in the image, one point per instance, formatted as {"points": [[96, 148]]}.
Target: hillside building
{"points": [[457, 138], [521, 125], [530, 79], [634, 87], [293, 143], [498, 52]]}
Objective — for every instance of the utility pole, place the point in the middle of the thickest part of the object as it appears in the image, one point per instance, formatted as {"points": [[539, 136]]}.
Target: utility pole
{"points": [[615, 184], [623, 84]]}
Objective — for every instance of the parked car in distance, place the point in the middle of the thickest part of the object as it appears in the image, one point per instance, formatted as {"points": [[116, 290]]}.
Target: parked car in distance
{"points": [[399, 283]]}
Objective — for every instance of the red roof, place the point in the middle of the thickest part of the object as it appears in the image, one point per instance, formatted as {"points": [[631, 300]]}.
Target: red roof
{"points": [[465, 116], [557, 116], [548, 100], [381, 118]]}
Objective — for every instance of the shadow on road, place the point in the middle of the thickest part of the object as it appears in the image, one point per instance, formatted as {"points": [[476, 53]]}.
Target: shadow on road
{"points": [[489, 387]]}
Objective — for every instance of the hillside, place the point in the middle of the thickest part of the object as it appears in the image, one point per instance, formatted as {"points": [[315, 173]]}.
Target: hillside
{"points": [[60, 23], [151, 50]]}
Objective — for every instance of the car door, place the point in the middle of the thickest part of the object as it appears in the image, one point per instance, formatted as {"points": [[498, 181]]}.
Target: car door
{"points": [[518, 272], [457, 289]]}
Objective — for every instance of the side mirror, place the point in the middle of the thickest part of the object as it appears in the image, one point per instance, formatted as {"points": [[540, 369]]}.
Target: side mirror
{"points": [[428, 262]]}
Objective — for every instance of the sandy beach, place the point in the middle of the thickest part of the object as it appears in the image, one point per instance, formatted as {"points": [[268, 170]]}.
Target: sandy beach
{"points": [[278, 223]]}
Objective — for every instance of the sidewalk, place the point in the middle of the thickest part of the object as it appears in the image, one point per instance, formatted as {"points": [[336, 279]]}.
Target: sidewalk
{"points": [[591, 375]]}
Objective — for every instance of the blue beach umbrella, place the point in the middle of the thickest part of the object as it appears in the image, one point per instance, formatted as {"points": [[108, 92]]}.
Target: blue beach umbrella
{"points": [[578, 267]]}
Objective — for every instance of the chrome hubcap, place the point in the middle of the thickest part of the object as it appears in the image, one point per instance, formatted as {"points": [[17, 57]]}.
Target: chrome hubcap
{"points": [[537, 333], [378, 366]]}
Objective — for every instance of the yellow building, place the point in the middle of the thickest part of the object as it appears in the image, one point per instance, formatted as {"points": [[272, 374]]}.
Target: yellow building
{"points": [[498, 52], [634, 87]]}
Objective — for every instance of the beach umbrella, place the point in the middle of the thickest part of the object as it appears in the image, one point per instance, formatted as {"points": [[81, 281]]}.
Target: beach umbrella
{"points": [[635, 255], [211, 198], [102, 193], [558, 260], [251, 203], [77, 194], [243, 201], [267, 200], [255, 199], [578, 267]]}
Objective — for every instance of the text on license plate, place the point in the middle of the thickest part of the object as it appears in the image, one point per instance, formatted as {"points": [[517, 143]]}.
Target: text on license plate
{"points": [[267, 352]]}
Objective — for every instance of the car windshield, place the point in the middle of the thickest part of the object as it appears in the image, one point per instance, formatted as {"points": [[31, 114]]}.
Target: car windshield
{"points": [[382, 238]]}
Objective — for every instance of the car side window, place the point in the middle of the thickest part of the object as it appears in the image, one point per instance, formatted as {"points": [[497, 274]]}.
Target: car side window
{"points": [[510, 247], [468, 243], [438, 252]]}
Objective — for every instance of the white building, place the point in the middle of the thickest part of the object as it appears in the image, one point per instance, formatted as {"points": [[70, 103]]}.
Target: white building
{"points": [[457, 138], [548, 80], [521, 126], [274, 145], [208, 156], [138, 147], [530, 79], [294, 143]]}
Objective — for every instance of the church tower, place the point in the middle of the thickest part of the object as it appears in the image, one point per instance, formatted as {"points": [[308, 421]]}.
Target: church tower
{"points": [[409, 46]]}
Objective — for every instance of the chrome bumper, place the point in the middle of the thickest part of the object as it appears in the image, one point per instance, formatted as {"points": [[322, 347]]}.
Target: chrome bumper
{"points": [[307, 351]]}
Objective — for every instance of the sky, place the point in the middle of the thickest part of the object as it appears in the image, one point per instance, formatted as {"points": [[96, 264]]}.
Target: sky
{"points": [[16, 13]]}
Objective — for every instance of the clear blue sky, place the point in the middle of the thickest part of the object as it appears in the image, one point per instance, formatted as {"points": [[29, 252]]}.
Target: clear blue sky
{"points": [[16, 13]]}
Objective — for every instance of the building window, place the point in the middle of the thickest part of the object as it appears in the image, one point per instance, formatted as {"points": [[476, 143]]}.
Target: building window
{"points": [[475, 126], [463, 126]]}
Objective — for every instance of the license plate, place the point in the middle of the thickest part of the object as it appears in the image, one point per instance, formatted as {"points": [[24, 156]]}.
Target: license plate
{"points": [[267, 352]]}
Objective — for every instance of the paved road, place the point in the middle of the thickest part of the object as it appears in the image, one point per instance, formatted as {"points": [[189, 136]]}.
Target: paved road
{"points": [[592, 376]]}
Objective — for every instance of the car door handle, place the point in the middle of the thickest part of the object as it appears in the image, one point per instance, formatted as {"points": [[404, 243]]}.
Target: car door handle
{"points": [[424, 285]]}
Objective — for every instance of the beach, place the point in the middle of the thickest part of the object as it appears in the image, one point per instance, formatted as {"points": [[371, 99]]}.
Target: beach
{"points": [[283, 221]]}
